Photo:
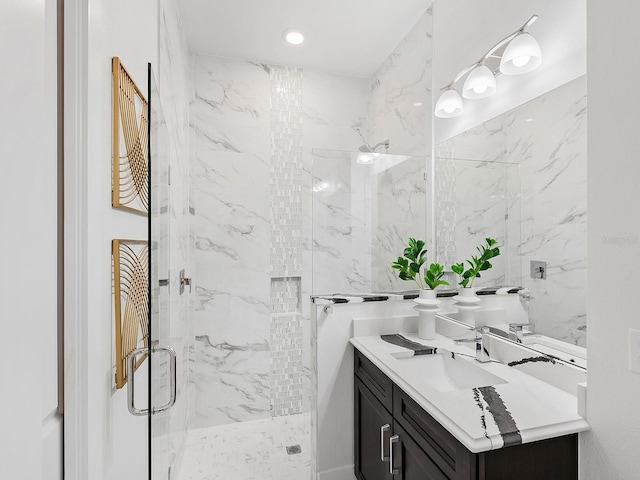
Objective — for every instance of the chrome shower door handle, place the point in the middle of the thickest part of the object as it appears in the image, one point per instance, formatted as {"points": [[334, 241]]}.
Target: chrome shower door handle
{"points": [[131, 375], [383, 428], [392, 440], [172, 379]]}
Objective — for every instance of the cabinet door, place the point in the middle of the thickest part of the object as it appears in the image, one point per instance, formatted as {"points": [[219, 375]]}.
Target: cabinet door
{"points": [[409, 461], [370, 436]]}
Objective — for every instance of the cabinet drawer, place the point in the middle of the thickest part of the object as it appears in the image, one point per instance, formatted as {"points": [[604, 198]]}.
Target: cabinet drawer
{"points": [[451, 457], [379, 384]]}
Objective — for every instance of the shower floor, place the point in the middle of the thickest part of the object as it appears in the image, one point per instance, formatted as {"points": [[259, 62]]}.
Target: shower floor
{"points": [[254, 450]]}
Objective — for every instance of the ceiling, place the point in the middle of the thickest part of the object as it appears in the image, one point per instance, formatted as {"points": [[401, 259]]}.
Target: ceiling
{"points": [[351, 37]]}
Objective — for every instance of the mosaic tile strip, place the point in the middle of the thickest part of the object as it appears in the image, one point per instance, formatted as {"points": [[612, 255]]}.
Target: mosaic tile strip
{"points": [[287, 372], [286, 179], [445, 184], [286, 172]]}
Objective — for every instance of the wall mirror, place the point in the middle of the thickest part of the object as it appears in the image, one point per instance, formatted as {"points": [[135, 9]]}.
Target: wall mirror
{"points": [[513, 165]]}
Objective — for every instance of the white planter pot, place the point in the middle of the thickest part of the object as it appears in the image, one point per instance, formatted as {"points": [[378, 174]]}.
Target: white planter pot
{"points": [[467, 302], [427, 306]]}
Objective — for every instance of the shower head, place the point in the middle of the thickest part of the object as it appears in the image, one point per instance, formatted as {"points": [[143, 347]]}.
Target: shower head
{"points": [[368, 153], [368, 148]]}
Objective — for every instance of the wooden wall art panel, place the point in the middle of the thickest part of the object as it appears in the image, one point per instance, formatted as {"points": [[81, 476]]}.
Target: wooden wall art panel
{"points": [[130, 187], [131, 302]]}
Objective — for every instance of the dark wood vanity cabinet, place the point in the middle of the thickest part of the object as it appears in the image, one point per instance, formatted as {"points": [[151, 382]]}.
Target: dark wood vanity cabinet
{"points": [[424, 450]]}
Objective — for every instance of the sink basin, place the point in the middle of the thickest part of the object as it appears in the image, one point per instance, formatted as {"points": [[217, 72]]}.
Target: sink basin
{"points": [[558, 349], [447, 374]]}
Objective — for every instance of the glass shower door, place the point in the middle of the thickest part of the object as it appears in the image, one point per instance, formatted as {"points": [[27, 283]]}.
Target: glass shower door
{"points": [[162, 378]]}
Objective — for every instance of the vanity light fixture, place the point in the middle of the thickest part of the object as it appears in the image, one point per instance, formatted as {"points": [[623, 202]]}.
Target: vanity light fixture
{"points": [[518, 53], [293, 37]]}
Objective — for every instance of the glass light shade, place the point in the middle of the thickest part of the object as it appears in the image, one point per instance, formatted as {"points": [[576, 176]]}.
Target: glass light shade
{"points": [[480, 83], [449, 104], [293, 37], [522, 55]]}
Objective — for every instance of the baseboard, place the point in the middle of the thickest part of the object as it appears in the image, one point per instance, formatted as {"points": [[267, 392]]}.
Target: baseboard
{"points": [[340, 473]]}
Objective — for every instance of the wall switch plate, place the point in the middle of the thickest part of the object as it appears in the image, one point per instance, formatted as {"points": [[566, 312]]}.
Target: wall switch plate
{"points": [[634, 350], [582, 399]]}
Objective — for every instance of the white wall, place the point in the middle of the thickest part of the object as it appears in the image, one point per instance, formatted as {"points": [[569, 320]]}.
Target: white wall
{"points": [[118, 441], [610, 450], [104, 440], [30, 445]]}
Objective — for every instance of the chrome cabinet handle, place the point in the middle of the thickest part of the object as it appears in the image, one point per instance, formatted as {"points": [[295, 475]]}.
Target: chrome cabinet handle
{"points": [[131, 375], [131, 380], [392, 440], [383, 429]]}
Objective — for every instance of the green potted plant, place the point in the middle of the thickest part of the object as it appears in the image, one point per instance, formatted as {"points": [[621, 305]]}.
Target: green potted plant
{"points": [[409, 267], [476, 264], [467, 300]]}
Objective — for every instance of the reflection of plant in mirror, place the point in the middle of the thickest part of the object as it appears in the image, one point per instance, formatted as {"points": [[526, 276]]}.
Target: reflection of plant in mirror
{"points": [[477, 264], [415, 255]]}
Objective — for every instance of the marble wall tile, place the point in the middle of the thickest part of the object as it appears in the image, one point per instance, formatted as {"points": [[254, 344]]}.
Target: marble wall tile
{"points": [[401, 93], [333, 107], [482, 205], [399, 212], [343, 109], [401, 112], [232, 123], [230, 118], [235, 169], [231, 109], [232, 376]]}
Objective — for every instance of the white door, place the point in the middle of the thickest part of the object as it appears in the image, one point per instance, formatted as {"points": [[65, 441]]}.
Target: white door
{"points": [[31, 442]]}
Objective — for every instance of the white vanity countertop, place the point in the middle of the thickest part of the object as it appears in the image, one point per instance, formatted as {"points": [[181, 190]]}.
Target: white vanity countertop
{"points": [[523, 409]]}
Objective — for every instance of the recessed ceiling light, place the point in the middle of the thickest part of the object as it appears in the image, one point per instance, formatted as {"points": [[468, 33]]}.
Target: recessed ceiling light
{"points": [[293, 37], [417, 104]]}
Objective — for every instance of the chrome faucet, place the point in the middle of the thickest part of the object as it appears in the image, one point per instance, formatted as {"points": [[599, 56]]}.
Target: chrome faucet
{"points": [[482, 344], [516, 331]]}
